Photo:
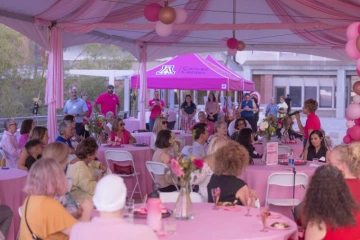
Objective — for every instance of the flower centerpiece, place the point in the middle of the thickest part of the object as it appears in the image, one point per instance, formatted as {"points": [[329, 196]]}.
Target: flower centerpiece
{"points": [[267, 127], [182, 168], [94, 126]]}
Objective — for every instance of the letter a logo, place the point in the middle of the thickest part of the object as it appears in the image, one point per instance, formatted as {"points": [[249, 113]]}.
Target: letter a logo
{"points": [[166, 70]]}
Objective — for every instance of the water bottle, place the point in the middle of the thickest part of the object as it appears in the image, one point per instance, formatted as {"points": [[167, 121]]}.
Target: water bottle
{"points": [[291, 162], [154, 211]]}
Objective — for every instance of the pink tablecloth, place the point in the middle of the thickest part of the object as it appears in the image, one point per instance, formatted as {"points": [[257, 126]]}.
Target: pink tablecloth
{"points": [[233, 225], [144, 137], [132, 124], [296, 147], [256, 177], [12, 181], [140, 156]]}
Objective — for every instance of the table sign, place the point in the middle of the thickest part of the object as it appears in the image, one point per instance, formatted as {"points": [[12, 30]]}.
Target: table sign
{"points": [[271, 153]]}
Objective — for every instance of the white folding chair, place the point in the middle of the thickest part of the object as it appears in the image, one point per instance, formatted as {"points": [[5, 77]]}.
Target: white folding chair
{"points": [[171, 197], [285, 179], [156, 168], [187, 151], [283, 150], [124, 156]]}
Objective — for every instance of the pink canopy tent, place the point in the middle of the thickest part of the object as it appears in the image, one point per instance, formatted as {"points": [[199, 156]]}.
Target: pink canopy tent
{"points": [[247, 84], [189, 71]]}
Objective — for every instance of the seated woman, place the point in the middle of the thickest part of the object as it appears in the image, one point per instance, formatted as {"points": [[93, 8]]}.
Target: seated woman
{"points": [[81, 170], [45, 216], [240, 123], [220, 130], [110, 222], [26, 126], [230, 161], [37, 133], [202, 178], [317, 148], [160, 124], [329, 211], [34, 148], [246, 138], [119, 131], [66, 131], [164, 141]]}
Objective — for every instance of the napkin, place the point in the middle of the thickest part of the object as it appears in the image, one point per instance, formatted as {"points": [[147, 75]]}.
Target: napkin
{"points": [[314, 165]]}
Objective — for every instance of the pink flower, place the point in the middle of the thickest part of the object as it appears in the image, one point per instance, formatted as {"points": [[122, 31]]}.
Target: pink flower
{"points": [[176, 168], [198, 163]]}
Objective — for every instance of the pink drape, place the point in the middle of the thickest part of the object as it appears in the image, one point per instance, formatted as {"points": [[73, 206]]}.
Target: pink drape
{"points": [[54, 96], [143, 85]]}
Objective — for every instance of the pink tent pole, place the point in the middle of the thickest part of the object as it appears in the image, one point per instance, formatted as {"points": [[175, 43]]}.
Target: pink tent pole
{"points": [[143, 85], [54, 94]]}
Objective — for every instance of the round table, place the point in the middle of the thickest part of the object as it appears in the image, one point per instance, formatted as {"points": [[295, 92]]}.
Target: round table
{"points": [[233, 225], [131, 124], [140, 156], [145, 137], [12, 182], [296, 147], [256, 177]]}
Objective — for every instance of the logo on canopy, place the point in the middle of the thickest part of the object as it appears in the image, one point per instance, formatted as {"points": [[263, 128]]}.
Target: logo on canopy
{"points": [[166, 70]]}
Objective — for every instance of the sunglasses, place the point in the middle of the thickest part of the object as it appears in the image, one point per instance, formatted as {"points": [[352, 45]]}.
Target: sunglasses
{"points": [[122, 124], [164, 122]]}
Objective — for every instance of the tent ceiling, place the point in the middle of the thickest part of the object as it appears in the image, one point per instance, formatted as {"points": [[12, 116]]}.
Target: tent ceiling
{"points": [[304, 26]]}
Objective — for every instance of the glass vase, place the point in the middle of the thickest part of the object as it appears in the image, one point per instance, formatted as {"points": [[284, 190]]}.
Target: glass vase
{"points": [[183, 207]]}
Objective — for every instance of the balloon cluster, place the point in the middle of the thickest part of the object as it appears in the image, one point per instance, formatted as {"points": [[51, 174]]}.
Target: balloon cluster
{"points": [[353, 117], [352, 47], [164, 17], [233, 45]]}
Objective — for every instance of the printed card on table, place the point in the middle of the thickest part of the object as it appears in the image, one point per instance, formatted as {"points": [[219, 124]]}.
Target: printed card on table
{"points": [[272, 153]]}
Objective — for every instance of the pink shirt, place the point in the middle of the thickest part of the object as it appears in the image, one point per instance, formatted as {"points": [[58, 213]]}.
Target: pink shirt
{"points": [[88, 103], [156, 111], [22, 140], [108, 103], [125, 139], [111, 229], [312, 122], [11, 148]]}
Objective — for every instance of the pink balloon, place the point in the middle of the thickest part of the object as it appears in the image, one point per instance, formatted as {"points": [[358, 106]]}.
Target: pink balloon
{"points": [[223, 41], [354, 133], [353, 30], [347, 139], [358, 64], [151, 12], [353, 111], [350, 124], [356, 99], [357, 122], [232, 52], [181, 15], [163, 30], [351, 49], [358, 72], [233, 42]]}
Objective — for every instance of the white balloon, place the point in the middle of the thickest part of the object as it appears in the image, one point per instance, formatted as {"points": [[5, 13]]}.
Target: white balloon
{"points": [[232, 52], [223, 41], [350, 124], [181, 15], [356, 99], [163, 30]]}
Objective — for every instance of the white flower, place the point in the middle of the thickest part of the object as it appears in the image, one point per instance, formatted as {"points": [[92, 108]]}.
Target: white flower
{"points": [[264, 125], [86, 127]]}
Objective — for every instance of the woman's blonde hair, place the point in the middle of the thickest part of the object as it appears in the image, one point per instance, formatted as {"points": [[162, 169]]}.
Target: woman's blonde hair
{"points": [[350, 155], [158, 124], [58, 151], [215, 144], [38, 133]]}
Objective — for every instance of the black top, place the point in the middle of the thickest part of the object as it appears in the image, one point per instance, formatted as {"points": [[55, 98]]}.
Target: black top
{"points": [[228, 185], [312, 154], [256, 115], [29, 162], [188, 109]]}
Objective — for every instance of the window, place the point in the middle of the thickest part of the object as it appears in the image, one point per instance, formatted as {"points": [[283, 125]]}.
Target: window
{"points": [[200, 97], [310, 92], [325, 99], [295, 95], [280, 91]]}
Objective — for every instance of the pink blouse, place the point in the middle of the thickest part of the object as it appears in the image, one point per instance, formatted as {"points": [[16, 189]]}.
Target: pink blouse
{"points": [[125, 139], [23, 139]]}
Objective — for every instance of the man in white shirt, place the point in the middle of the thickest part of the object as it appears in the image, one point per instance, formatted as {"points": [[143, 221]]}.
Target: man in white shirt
{"points": [[199, 146], [282, 107]]}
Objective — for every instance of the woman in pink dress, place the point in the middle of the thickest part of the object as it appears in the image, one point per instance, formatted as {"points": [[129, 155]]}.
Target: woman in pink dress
{"points": [[212, 108], [119, 132], [26, 126]]}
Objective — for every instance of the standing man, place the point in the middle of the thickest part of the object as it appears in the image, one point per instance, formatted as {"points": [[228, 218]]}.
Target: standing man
{"points": [[108, 102], [289, 103], [282, 108], [77, 107], [271, 108], [156, 106], [247, 110]]}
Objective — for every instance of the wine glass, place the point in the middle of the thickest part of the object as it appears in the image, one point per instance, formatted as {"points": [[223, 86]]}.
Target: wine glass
{"points": [[215, 193], [315, 160], [264, 214], [249, 203]]}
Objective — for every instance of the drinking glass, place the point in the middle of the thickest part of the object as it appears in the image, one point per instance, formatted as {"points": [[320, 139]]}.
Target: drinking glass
{"points": [[249, 203], [169, 225], [264, 214], [215, 193], [315, 160], [128, 211]]}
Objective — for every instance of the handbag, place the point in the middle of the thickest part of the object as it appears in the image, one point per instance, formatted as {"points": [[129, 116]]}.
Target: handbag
{"points": [[31, 232], [127, 170]]}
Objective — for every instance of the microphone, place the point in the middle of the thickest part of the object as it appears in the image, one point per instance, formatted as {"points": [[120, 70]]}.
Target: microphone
{"points": [[294, 113]]}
